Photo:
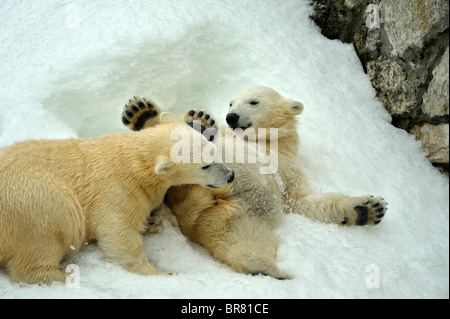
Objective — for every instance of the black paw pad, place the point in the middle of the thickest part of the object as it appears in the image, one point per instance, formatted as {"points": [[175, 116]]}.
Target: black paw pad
{"points": [[137, 112], [143, 118], [363, 215], [203, 123], [125, 120], [197, 126], [210, 133]]}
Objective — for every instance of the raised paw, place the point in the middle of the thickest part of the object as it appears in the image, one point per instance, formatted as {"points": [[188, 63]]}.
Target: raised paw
{"points": [[370, 212], [140, 113], [202, 122]]}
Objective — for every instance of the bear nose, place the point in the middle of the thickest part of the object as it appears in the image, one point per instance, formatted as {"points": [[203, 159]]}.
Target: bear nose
{"points": [[232, 119], [231, 178]]}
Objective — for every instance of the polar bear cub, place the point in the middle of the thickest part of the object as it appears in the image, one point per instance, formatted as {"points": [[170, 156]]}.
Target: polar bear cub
{"points": [[236, 223], [56, 196]]}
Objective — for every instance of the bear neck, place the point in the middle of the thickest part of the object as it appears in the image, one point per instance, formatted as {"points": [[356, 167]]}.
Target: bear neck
{"points": [[142, 161], [288, 140]]}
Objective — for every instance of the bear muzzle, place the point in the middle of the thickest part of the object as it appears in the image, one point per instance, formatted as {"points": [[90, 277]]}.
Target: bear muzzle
{"points": [[221, 176], [235, 121], [231, 178], [232, 120]]}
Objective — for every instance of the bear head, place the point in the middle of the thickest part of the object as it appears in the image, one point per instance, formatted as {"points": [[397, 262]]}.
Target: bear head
{"points": [[184, 156], [261, 107]]}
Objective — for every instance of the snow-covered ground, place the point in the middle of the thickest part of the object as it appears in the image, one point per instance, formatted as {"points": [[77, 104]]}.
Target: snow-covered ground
{"points": [[68, 67]]}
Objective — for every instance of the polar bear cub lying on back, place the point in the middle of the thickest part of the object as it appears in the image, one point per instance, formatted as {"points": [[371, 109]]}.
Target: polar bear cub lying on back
{"points": [[55, 196]]}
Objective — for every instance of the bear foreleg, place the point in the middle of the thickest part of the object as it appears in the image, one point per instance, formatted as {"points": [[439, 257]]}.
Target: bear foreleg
{"points": [[126, 247]]}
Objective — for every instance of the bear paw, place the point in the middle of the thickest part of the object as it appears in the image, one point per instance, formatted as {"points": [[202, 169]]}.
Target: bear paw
{"points": [[139, 113], [152, 225], [370, 212], [202, 122]]}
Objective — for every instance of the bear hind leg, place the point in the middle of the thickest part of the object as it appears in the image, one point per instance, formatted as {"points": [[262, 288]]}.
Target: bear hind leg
{"points": [[246, 244], [341, 209], [39, 275], [37, 266], [250, 258]]}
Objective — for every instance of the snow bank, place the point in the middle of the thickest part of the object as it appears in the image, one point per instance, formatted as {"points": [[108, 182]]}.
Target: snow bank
{"points": [[68, 68]]}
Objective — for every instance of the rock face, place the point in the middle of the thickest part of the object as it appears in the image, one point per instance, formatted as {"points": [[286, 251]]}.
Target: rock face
{"points": [[434, 140], [435, 100], [403, 46], [411, 24]]}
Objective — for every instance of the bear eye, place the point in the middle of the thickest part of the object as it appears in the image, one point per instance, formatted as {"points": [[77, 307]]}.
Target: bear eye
{"points": [[206, 166], [231, 104], [254, 102]]}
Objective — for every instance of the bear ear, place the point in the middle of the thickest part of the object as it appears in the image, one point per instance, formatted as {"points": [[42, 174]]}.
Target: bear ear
{"points": [[296, 106], [163, 165], [166, 117]]}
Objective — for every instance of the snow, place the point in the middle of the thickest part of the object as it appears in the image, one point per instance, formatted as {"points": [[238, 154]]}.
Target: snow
{"points": [[67, 68]]}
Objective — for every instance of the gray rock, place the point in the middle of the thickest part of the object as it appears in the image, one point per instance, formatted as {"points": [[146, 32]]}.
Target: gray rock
{"points": [[394, 90], [406, 56], [435, 142], [436, 99], [410, 24]]}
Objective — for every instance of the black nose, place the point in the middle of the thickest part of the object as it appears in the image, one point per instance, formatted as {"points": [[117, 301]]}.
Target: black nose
{"points": [[232, 119], [231, 178]]}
